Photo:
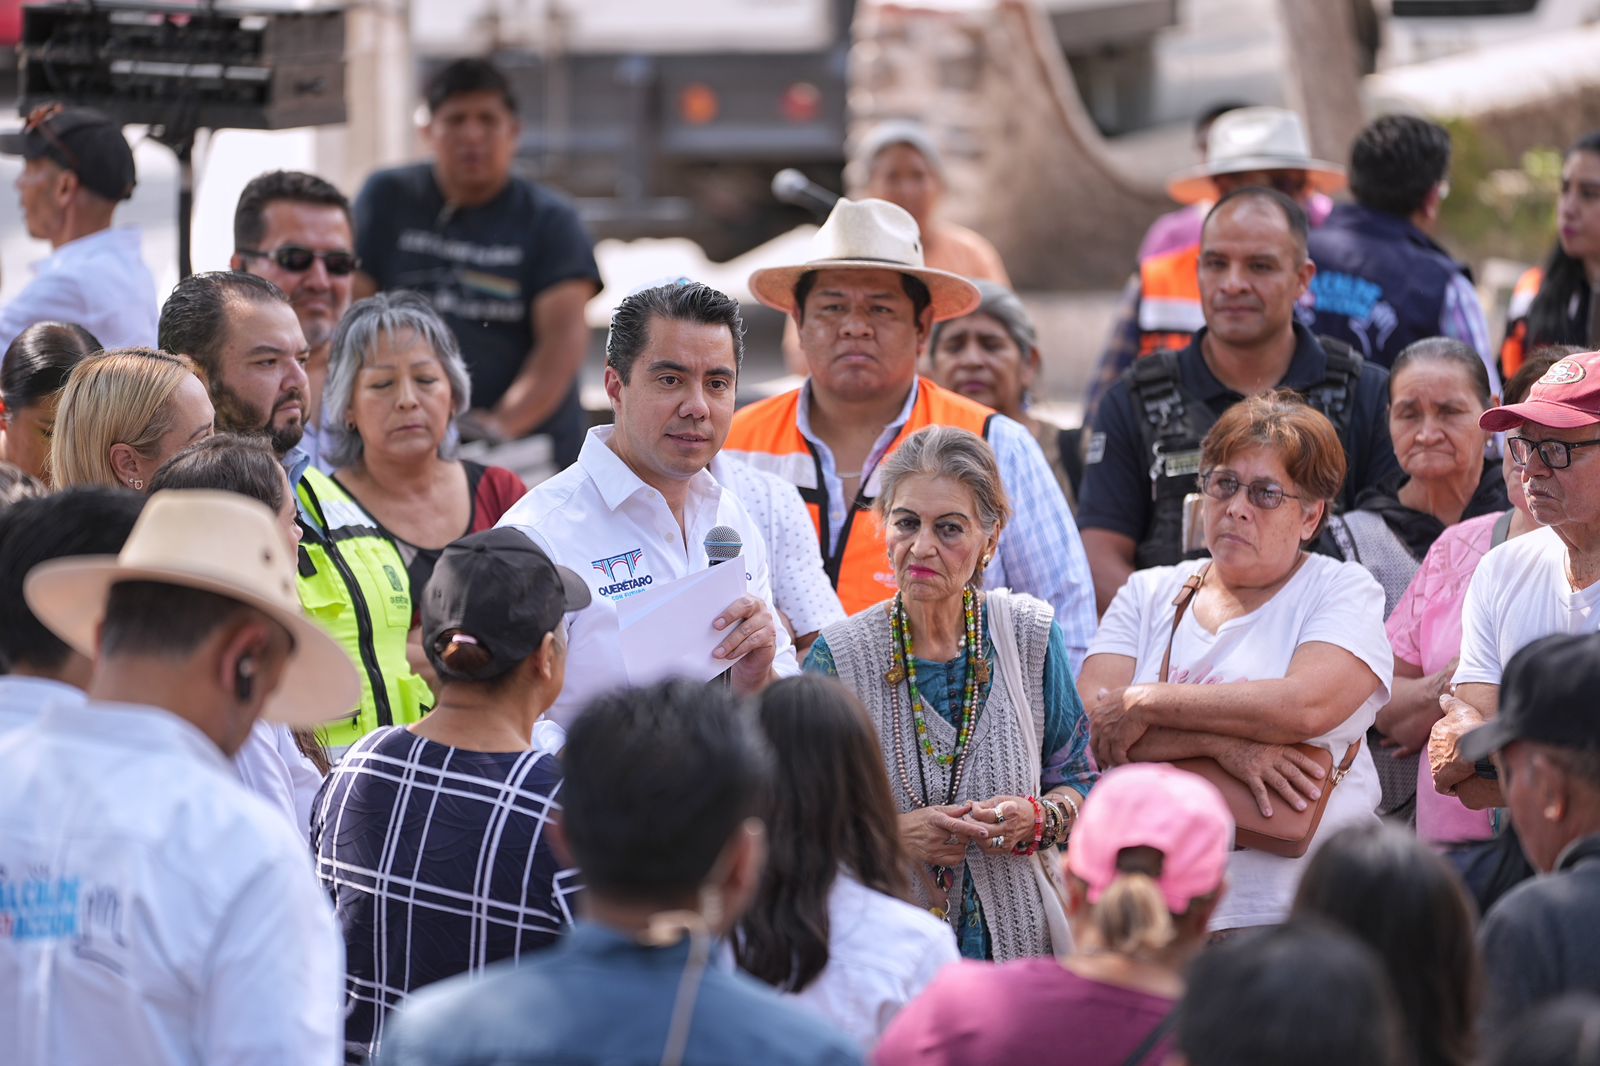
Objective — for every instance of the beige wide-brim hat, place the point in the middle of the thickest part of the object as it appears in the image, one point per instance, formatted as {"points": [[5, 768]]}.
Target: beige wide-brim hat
{"points": [[1254, 138], [868, 235], [218, 542]]}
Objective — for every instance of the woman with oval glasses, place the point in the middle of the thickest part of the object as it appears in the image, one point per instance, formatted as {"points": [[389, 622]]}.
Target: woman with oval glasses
{"points": [[1264, 646]]}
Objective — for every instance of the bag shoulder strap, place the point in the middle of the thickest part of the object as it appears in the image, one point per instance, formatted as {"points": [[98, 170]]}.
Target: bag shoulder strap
{"points": [[1181, 602], [1502, 529], [1151, 1039]]}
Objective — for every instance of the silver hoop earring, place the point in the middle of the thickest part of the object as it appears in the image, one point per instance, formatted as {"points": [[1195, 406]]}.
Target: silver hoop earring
{"points": [[135, 483]]}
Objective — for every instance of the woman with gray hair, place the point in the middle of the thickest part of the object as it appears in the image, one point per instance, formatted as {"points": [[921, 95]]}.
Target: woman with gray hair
{"points": [[396, 383], [972, 695], [992, 355]]}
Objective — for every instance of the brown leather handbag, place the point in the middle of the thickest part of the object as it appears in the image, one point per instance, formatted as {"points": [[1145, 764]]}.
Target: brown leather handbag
{"points": [[1288, 833]]}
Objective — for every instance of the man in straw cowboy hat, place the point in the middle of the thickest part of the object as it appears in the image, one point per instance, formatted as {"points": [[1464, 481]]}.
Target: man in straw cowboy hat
{"points": [[151, 909], [1247, 146], [864, 305]]}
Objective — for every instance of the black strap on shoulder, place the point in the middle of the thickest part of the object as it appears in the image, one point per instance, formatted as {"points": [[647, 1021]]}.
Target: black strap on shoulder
{"points": [[1333, 395], [1166, 422], [1139, 1054], [1154, 380], [1502, 529]]}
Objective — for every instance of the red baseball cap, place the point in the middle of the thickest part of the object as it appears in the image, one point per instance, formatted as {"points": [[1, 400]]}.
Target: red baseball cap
{"points": [[1567, 397], [1153, 805]]}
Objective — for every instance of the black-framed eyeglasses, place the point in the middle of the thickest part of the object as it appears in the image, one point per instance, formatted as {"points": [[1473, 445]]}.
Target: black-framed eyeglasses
{"points": [[1556, 454], [298, 260], [1267, 495]]}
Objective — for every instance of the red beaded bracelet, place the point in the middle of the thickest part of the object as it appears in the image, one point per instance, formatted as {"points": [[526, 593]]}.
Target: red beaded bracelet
{"points": [[1031, 846]]}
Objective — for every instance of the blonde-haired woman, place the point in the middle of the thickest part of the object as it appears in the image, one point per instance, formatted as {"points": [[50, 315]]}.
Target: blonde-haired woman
{"points": [[125, 412], [1144, 870]]}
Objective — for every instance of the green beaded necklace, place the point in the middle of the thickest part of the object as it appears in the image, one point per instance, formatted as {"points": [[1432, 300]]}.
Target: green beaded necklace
{"points": [[905, 669]]}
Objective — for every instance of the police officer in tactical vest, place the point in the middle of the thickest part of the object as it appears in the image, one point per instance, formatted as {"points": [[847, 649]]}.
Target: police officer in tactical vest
{"points": [[1382, 281], [1144, 444]]}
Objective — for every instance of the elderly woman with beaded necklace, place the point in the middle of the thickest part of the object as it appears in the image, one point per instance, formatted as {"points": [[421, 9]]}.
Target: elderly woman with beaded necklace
{"points": [[984, 775]]}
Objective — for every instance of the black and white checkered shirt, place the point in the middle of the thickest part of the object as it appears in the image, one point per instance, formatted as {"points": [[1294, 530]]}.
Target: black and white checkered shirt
{"points": [[438, 864]]}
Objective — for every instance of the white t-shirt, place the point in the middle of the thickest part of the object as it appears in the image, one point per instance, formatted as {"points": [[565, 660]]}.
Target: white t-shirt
{"points": [[599, 519], [1327, 601], [1518, 594], [882, 954]]}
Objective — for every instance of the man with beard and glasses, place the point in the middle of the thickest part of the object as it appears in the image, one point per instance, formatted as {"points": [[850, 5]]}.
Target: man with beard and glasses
{"points": [[241, 330], [295, 230]]}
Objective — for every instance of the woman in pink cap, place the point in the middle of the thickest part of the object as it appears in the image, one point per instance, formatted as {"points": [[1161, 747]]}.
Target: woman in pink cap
{"points": [[1144, 870]]}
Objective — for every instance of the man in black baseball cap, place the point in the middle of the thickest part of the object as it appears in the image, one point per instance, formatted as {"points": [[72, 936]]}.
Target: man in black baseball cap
{"points": [[77, 169], [1542, 939]]}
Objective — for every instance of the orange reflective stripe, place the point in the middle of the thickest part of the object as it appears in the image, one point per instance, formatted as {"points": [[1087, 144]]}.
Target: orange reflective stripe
{"points": [[1170, 311], [767, 434], [1515, 348]]}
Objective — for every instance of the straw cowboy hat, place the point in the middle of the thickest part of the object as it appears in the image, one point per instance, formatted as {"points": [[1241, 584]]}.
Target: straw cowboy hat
{"points": [[1254, 138], [868, 235], [218, 542]]}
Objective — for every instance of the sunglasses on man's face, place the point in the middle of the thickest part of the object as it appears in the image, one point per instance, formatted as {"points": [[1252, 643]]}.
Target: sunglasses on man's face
{"points": [[298, 260]]}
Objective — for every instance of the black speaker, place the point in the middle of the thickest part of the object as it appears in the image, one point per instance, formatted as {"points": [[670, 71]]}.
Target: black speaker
{"points": [[186, 68]]}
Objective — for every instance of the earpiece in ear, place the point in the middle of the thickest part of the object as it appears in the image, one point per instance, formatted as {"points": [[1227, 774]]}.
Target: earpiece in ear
{"points": [[244, 679]]}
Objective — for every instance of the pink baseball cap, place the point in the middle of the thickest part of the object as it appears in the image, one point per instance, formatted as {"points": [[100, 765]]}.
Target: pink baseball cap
{"points": [[1153, 805], [1567, 397]]}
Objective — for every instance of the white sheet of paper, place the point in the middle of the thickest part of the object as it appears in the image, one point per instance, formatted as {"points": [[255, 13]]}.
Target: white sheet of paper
{"points": [[667, 632]]}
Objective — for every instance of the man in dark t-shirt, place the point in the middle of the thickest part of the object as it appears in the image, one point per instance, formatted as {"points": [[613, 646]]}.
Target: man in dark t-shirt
{"points": [[506, 262]]}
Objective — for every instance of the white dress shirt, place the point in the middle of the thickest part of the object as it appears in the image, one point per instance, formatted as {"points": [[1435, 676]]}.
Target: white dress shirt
{"points": [[599, 519], [23, 700], [152, 911], [272, 766], [800, 585], [98, 282]]}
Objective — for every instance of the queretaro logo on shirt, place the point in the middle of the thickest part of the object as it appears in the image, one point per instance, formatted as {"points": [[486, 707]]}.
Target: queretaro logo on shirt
{"points": [[622, 573]]}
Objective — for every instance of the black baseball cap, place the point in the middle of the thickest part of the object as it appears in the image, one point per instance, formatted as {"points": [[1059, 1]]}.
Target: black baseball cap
{"points": [[499, 589], [82, 140], [1547, 695]]}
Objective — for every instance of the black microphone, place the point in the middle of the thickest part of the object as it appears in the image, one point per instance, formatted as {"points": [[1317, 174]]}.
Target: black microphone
{"points": [[792, 187], [722, 543]]}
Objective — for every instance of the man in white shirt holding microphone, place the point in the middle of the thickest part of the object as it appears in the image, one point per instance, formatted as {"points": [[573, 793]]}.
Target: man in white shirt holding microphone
{"points": [[643, 507]]}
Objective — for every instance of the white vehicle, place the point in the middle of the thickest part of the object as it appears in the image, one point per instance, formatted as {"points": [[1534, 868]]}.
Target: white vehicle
{"points": [[1420, 30]]}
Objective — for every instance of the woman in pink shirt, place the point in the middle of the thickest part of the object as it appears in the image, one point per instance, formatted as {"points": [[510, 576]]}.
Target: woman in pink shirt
{"points": [[1144, 870], [1425, 633]]}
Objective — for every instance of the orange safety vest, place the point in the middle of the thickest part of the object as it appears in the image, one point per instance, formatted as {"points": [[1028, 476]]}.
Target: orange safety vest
{"points": [[1515, 348], [1170, 312], [767, 435]]}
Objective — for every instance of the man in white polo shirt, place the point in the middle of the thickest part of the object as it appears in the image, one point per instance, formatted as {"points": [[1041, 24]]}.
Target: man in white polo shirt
{"points": [[633, 512], [152, 911]]}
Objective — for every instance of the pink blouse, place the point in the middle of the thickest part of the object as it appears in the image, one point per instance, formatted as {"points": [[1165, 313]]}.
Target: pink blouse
{"points": [[1425, 630]]}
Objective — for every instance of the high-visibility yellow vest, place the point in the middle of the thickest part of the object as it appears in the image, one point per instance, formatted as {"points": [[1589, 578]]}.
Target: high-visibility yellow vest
{"points": [[353, 584]]}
